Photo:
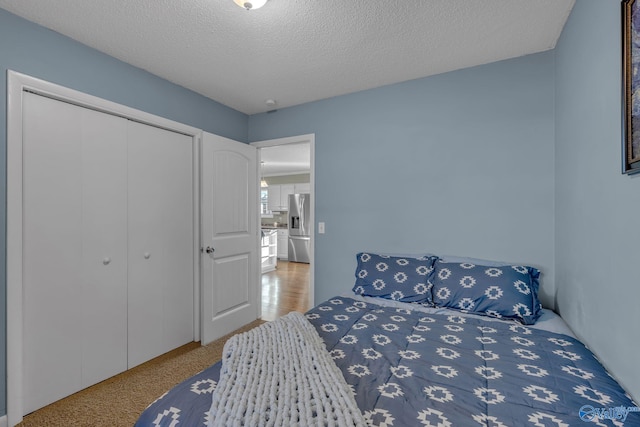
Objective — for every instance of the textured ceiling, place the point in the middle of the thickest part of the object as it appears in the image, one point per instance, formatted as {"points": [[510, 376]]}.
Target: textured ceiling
{"points": [[296, 51]]}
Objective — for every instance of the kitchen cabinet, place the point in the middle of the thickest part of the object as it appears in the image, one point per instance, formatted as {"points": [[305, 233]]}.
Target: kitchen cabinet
{"points": [[283, 244], [285, 191], [302, 188], [273, 201], [269, 250], [279, 197]]}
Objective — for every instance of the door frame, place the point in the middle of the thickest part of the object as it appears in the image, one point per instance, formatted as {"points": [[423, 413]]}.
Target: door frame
{"points": [[311, 139], [17, 84]]}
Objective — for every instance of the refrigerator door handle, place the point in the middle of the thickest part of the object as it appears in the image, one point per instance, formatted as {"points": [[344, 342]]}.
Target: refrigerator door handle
{"points": [[300, 237]]}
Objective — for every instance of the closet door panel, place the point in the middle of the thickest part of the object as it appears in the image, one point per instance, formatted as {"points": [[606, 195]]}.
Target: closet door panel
{"points": [[104, 242], [74, 237], [52, 250], [160, 218]]}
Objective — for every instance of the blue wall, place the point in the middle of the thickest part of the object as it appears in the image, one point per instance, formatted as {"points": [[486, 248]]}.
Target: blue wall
{"points": [[36, 51], [460, 163], [597, 208]]}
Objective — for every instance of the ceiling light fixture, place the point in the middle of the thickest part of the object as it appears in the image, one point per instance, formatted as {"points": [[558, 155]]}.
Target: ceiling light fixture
{"points": [[250, 4]]}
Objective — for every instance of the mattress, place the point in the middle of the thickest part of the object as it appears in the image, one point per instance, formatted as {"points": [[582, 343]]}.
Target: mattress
{"points": [[411, 365]]}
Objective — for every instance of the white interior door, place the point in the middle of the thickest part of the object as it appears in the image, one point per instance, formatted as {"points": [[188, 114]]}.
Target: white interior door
{"points": [[230, 236]]}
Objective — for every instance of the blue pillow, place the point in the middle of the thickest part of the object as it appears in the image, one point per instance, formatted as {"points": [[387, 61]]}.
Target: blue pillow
{"points": [[399, 278], [507, 292]]}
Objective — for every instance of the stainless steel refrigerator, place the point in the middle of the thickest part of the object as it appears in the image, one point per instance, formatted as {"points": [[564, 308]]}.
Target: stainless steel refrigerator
{"points": [[299, 227]]}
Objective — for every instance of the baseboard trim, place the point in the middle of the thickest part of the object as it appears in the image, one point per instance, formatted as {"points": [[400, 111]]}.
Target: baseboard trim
{"points": [[3, 421]]}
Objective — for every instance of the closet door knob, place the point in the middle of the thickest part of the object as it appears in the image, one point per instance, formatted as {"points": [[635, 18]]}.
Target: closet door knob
{"points": [[209, 250], [147, 255], [106, 261]]}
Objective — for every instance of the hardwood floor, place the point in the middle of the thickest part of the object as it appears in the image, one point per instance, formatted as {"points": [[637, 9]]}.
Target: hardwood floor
{"points": [[285, 289]]}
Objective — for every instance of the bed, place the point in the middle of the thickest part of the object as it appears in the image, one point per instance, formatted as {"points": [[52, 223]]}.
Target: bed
{"points": [[443, 342]]}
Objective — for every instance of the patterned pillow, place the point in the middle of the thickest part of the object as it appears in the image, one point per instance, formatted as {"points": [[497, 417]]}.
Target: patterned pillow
{"points": [[399, 278], [509, 292]]}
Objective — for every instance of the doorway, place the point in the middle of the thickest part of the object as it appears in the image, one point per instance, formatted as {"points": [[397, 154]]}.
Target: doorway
{"points": [[285, 289], [286, 168]]}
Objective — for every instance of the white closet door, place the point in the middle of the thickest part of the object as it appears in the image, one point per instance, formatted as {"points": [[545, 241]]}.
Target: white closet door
{"points": [[161, 255], [104, 246], [74, 308]]}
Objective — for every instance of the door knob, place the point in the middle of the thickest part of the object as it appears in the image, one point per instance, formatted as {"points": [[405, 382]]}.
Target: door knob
{"points": [[209, 250]]}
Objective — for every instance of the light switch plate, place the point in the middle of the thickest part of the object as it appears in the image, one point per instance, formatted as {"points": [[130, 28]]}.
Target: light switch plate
{"points": [[321, 228]]}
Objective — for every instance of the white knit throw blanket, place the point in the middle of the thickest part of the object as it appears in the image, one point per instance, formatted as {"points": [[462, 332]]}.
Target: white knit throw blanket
{"points": [[281, 374]]}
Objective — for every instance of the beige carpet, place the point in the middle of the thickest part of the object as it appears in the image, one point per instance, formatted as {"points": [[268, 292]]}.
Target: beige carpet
{"points": [[119, 401]]}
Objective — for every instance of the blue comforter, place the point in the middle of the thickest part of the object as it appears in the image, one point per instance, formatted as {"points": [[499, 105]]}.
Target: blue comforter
{"points": [[185, 405], [408, 368]]}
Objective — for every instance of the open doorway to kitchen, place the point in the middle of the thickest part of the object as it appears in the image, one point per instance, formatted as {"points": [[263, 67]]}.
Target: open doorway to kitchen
{"points": [[287, 220]]}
